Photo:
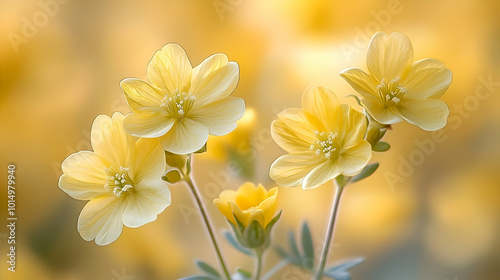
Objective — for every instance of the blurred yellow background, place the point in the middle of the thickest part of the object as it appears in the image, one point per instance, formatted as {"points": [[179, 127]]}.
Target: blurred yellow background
{"points": [[431, 211]]}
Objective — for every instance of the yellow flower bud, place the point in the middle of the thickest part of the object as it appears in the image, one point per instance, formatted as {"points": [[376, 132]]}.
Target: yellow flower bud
{"points": [[248, 203]]}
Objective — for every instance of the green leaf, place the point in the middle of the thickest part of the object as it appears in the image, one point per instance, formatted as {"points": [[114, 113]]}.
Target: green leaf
{"points": [[254, 234], [367, 171], [238, 233], [199, 277], [293, 245], [208, 269], [239, 224], [175, 160], [202, 150], [381, 146], [270, 225], [307, 246], [232, 240], [172, 176], [355, 97], [340, 271]]}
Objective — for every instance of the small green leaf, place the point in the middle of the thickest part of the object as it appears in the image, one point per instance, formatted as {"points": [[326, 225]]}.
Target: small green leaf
{"points": [[293, 244], [381, 146], [199, 277], [202, 150], [240, 225], [340, 271], [254, 234], [172, 176], [307, 246], [270, 225], [175, 160], [208, 269], [238, 233], [367, 171], [232, 240], [355, 97]]}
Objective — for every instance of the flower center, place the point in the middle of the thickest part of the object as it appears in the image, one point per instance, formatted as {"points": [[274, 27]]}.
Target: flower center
{"points": [[391, 92], [118, 182], [327, 144], [178, 104]]}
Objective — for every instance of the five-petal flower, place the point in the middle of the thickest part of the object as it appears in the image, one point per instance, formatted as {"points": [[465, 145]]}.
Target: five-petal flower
{"points": [[324, 139], [121, 178], [399, 89], [183, 105]]}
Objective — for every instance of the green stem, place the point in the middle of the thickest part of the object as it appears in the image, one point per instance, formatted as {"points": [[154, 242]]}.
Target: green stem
{"points": [[209, 226], [329, 234], [258, 266]]}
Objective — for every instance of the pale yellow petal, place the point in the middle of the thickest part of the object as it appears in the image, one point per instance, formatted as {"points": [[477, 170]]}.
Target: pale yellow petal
{"points": [[214, 78], [110, 140], [255, 215], [324, 104], [140, 94], [353, 126], [147, 199], [268, 206], [227, 195], [289, 170], [85, 166], [427, 78], [170, 69], [428, 114], [147, 160], [389, 56], [354, 159], [220, 116], [224, 208], [240, 215], [378, 111], [150, 123], [247, 196], [82, 190], [363, 83], [294, 130], [185, 137], [321, 174], [101, 219]]}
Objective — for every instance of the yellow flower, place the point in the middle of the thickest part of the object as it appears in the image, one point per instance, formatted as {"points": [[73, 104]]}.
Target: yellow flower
{"points": [[183, 105], [399, 89], [248, 203], [324, 139], [121, 178]]}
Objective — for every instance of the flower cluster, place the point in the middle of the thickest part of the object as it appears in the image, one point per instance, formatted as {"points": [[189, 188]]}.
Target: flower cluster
{"points": [[175, 111]]}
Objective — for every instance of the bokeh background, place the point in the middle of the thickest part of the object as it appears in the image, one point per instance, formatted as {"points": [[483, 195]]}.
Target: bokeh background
{"points": [[431, 211]]}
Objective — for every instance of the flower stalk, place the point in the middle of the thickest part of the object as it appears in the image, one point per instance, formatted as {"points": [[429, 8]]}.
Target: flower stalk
{"points": [[208, 224], [331, 228]]}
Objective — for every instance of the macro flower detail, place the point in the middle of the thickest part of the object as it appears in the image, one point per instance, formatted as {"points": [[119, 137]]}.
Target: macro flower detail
{"points": [[121, 178], [248, 203], [182, 105], [323, 139], [250, 211], [396, 88]]}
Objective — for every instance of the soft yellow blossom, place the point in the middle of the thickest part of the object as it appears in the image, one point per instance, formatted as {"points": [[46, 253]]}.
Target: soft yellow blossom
{"points": [[248, 203], [121, 178], [183, 105], [397, 88], [324, 139]]}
